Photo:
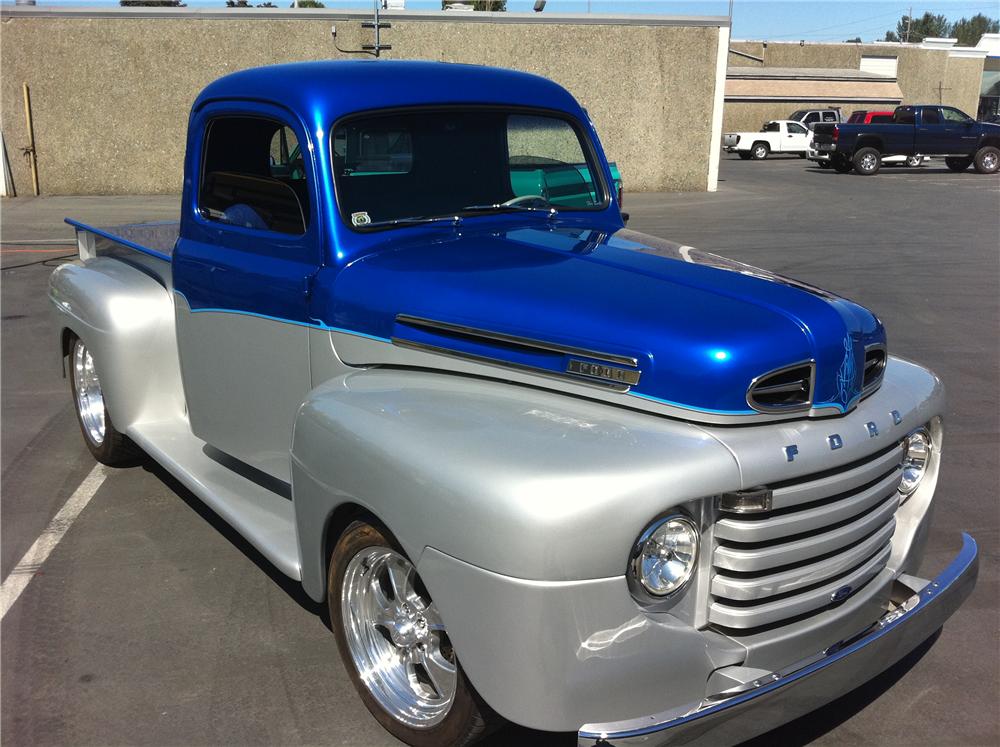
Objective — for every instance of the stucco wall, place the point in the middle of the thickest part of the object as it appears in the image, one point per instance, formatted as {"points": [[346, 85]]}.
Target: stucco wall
{"points": [[111, 94], [919, 73]]}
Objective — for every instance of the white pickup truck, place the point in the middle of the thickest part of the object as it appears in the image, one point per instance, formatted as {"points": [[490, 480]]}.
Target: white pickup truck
{"points": [[776, 136]]}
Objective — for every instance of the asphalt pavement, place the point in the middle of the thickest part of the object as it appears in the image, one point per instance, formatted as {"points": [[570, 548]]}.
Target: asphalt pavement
{"points": [[152, 622]]}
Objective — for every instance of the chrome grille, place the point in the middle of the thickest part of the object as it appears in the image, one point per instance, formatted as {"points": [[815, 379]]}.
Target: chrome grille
{"points": [[824, 532]]}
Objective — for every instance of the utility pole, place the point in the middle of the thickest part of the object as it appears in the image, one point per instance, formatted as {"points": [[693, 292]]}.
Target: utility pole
{"points": [[909, 22]]}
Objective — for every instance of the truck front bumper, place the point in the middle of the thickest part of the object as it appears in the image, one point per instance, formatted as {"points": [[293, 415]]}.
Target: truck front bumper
{"points": [[735, 715]]}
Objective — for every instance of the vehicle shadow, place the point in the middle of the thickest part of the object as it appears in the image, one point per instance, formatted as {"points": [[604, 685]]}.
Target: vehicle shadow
{"points": [[291, 587]]}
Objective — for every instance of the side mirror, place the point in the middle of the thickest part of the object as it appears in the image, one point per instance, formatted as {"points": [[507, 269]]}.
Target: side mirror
{"points": [[625, 217]]}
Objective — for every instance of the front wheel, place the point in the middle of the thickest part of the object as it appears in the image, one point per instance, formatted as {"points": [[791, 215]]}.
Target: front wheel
{"points": [[823, 164], [957, 164], [760, 151], [987, 159], [395, 646], [745, 155], [105, 442], [867, 161]]}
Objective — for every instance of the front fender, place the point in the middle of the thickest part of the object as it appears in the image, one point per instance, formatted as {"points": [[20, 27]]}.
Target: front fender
{"points": [[518, 481]]}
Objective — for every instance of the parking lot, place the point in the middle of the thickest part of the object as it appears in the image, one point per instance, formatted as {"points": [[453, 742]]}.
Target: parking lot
{"points": [[152, 622]]}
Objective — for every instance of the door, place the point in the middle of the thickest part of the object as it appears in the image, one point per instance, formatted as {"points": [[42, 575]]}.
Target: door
{"points": [[795, 139], [960, 131], [242, 273], [931, 138]]}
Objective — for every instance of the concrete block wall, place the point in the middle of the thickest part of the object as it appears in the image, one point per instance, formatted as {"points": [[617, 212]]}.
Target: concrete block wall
{"points": [[111, 90]]}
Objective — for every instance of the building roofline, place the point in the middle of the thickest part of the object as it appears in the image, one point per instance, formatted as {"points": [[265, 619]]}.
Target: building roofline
{"points": [[312, 14]]}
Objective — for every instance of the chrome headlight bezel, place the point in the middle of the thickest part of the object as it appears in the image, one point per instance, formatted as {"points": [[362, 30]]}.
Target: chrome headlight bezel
{"points": [[639, 569], [918, 449]]}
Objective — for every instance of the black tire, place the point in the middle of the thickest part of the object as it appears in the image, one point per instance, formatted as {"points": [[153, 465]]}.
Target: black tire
{"points": [[913, 161], [468, 719], [841, 164], [802, 155], [957, 164], [867, 161], [744, 155], [109, 447], [987, 159], [760, 151], [823, 164]]}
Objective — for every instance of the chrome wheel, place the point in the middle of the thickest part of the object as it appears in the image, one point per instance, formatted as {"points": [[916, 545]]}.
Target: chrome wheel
{"points": [[990, 161], [396, 638], [89, 396], [869, 161]]}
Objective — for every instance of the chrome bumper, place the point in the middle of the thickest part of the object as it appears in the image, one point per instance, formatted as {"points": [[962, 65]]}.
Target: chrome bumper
{"points": [[783, 696]]}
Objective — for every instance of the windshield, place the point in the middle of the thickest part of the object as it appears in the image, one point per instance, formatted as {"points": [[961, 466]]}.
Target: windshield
{"points": [[400, 167]]}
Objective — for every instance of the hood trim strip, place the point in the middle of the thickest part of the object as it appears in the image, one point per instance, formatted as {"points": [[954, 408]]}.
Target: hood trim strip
{"points": [[486, 335]]}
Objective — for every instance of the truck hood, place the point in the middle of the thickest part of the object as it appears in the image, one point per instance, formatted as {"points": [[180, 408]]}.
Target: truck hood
{"points": [[632, 314]]}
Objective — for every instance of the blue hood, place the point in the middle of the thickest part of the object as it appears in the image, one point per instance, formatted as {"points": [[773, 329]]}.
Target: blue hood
{"points": [[700, 328]]}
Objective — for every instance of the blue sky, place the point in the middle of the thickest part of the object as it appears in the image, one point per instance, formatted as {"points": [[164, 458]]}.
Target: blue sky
{"points": [[780, 20]]}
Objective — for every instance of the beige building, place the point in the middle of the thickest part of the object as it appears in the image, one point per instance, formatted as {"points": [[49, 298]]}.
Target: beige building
{"points": [[770, 80], [111, 89]]}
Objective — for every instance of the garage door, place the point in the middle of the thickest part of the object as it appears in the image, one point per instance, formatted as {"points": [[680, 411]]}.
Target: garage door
{"points": [[879, 65]]}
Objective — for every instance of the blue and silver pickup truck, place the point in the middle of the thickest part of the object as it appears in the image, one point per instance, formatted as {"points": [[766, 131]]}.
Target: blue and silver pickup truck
{"points": [[930, 130], [540, 467]]}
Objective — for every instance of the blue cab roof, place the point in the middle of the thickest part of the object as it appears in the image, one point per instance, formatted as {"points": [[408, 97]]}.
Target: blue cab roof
{"points": [[337, 88]]}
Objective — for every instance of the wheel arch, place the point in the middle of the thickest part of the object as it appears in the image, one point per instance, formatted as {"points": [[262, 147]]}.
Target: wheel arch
{"points": [[992, 140], [868, 141]]}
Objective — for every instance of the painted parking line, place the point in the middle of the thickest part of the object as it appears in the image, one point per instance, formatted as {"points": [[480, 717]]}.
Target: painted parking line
{"points": [[29, 565]]}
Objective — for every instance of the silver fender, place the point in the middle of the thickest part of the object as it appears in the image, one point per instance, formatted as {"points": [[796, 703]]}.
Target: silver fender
{"points": [[126, 319]]}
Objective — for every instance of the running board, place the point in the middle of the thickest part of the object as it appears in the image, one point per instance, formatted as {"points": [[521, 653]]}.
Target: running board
{"points": [[260, 510]]}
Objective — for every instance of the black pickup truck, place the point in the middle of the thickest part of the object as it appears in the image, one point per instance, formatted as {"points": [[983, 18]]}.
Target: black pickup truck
{"points": [[929, 129]]}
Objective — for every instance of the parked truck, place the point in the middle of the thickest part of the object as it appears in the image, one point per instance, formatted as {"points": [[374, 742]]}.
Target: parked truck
{"points": [[929, 130], [539, 467], [776, 136]]}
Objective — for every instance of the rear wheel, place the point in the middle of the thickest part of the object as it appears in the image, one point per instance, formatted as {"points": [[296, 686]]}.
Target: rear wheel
{"points": [[841, 164], [823, 164], [867, 161], [745, 155], [395, 646], [102, 438], [760, 151], [987, 160], [957, 164]]}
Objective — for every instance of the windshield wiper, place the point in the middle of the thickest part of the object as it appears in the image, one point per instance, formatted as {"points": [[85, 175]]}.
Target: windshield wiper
{"points": [[413, 221], [499, 207]]}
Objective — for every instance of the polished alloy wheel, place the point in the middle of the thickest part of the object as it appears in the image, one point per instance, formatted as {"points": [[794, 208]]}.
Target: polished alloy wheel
{"points": [[990, 161], [869, 161], [396, 638], [89, 397]]}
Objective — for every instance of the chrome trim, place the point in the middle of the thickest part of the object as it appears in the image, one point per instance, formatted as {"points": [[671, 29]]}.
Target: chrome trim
{"points": [[490, 336], [872, 388], [819, 678], [772, 409], [449, 352], [634, 576], [604, 373]]}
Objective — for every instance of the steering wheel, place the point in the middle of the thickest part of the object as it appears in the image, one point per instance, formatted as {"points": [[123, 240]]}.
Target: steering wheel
{"points": [[535, 201]]}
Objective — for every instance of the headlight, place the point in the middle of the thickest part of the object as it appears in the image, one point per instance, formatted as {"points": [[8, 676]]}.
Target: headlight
{"points": [[918, 453], [666, 555]]}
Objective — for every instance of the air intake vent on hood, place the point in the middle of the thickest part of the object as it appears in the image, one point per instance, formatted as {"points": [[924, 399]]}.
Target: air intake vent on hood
{"points": [[785, 390], [875, 360]]}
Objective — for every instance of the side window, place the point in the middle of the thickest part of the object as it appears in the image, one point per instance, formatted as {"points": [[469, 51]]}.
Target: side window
{"points": [[881, 119], [904, 115], [812, 117], [253, 176], [829, 116], [796, 129], [954, 115], [771, 127], [930, 117]]}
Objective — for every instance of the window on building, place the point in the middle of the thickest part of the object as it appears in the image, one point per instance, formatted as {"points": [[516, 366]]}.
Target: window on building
{"points": [[879, 64], [253, 176]]}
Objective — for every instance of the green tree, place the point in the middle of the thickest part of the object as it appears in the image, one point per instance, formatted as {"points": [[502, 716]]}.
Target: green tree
{"points": [[308, 4], [969, 31], [918, 29], [855, 40]]}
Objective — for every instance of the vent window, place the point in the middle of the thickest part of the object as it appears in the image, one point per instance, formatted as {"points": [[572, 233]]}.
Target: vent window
{"points": [[875, 359], [785, 390]]}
